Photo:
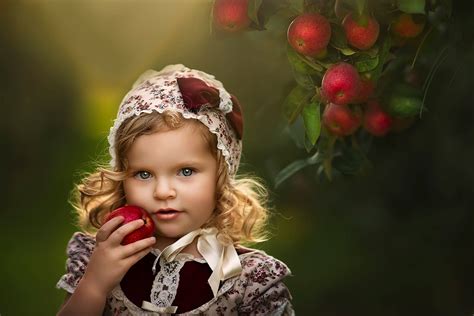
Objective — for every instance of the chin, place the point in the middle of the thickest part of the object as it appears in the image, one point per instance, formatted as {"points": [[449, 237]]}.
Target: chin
{"points": [[171, 233]]}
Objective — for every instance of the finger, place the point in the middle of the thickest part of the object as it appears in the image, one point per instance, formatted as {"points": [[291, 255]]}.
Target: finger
{"points": [[117, 236], [108, 227], [137, 246], [137, 256]]}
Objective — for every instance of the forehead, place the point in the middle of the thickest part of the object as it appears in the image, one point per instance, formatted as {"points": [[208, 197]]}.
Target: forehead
{"points": [[186, 143]]}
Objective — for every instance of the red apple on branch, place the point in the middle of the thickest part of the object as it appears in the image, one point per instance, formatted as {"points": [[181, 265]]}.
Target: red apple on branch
{"points": [[376, 121], [340, 120], [405, 26], [131, 213], [367, 88], [361, 33], [231, 15], [309, 34], [341, 84]]}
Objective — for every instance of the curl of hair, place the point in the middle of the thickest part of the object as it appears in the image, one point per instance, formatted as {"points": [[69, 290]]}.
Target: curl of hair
{"points": [[240, 215]]}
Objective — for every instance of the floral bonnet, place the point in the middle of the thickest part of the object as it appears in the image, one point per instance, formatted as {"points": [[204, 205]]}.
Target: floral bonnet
{"points": [[193, 93]]}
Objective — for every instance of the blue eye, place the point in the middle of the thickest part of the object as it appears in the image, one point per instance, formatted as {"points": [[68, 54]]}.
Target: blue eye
{"points": [[186, 172], [144, 175]]}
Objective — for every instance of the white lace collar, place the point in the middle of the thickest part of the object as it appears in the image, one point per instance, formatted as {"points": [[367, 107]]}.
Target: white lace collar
{"points": [[182, 256]]}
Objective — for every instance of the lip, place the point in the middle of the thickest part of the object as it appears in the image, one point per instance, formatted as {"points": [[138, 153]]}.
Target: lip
{"points": [[163, 216]]}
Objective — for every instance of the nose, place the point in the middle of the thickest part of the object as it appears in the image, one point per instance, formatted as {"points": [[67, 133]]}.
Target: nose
{"points": [[164, 189]]}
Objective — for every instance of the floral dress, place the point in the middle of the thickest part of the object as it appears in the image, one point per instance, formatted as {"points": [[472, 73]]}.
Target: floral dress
{"points": [[182, 284]]}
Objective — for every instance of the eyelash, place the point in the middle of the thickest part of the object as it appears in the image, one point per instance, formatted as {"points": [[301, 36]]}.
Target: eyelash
{"points": [[138, 173]]}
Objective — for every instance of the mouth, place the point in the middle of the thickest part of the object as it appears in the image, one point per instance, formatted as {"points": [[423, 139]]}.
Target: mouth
{"points": [[166, 211], [166, 214]]}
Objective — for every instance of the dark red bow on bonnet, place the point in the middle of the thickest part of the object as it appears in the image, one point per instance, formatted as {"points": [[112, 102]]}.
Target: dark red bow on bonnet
{"points": [[196, 93]]}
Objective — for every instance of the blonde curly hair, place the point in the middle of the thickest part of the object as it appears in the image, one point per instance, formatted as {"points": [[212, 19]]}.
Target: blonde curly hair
{"points": [[240, 215]]}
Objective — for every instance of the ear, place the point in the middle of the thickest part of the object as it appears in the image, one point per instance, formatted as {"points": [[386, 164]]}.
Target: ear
{"points": [[235, 117]]}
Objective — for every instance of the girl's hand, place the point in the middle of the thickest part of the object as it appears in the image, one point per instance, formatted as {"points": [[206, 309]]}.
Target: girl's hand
{"points": [[110, 260]]}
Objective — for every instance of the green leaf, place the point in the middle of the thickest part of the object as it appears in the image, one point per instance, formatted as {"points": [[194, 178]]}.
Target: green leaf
{"points": [[350, 161], [312, 120], [296, 131], [347, 51], [412, 6], [304, 80], [303, 64], [316, 66], [339, 41], [294, 167], [373, 51], [365, 63], [252, 10], [307, 144], [359, 6], [404, 106], [295, 101], [383, 58], [298, 64], [290, 170]]}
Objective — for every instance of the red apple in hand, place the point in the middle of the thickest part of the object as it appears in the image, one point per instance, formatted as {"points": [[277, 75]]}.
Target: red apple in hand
{"points": [[341, 84], [309, 34], [131, 213]]}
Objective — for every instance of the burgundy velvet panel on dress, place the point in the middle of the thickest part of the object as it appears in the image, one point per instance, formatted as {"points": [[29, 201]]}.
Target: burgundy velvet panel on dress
{"points": [[193, 289]]}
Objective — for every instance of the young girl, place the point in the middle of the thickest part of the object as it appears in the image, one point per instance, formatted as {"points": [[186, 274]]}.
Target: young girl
{"points": [[175, 148]]}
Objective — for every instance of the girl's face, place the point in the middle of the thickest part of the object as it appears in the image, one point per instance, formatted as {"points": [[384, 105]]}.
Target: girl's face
{"points": [[173, 177]]}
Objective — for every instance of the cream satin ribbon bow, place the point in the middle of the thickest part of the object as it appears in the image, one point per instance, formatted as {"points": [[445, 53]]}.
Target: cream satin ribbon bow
{"points": [[223, 260]]}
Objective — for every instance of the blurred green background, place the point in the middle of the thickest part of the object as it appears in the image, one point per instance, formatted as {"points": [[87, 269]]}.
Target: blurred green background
{"points": [[398, 241]]}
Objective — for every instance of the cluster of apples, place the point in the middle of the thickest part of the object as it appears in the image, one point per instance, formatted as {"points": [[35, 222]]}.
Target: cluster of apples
{"points": [[349, 96]]}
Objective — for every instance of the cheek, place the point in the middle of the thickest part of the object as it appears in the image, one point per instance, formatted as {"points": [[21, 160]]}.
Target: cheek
{"points": [[202, 193], [126, 187], [208, 195], [132, 193]]}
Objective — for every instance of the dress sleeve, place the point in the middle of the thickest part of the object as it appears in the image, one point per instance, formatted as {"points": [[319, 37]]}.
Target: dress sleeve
{"points": [[79, 250], [265, 293]]}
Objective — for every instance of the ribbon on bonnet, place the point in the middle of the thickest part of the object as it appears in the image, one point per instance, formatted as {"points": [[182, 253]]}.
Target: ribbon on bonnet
{"points": [[197, 93]]}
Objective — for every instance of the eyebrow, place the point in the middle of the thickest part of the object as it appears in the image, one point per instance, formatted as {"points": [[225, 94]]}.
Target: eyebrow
{"points": [[189, 162]]}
